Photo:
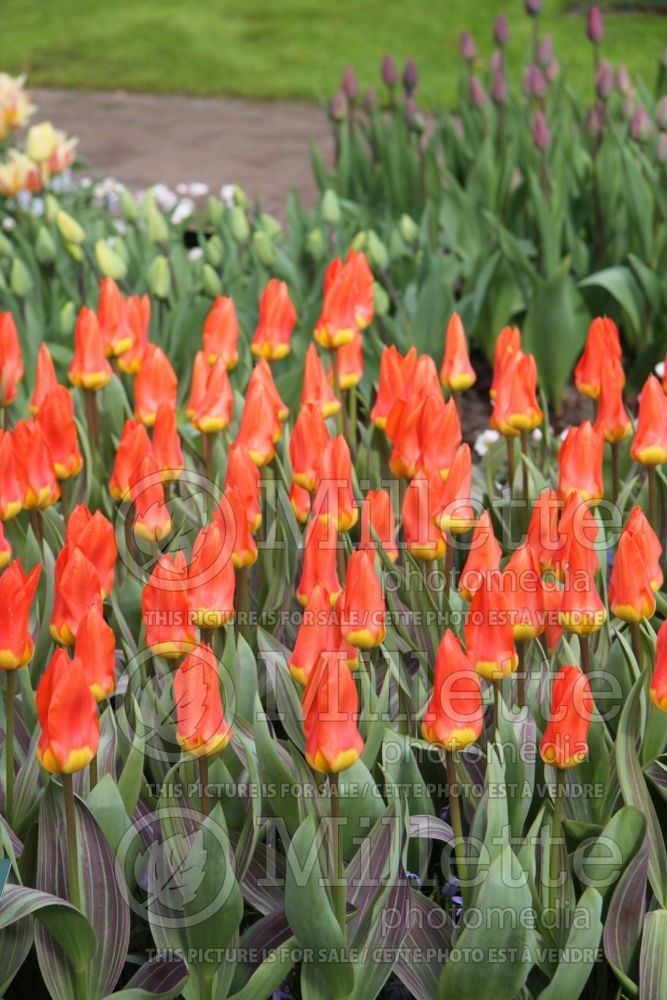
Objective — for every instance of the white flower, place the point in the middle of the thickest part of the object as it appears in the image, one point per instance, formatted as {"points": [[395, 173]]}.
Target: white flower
{"points": [[8, 223], [537, 434], [195, 253], [227, 192], [183, 211], [660, 369], [484, 441]]}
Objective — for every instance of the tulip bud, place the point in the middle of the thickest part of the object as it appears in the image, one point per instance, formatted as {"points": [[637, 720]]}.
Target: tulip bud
{"points": [[330, 207], [409, 229], [593, 122], [158, 231], [454, 716], [109, 262], [661, 148], [410, 76], [215, 211], [658, 686], [128, 204], [370, 99], [534, 84], [67, 318], [477, 93], [239, 225], [214, 251], [51, 208], [20, 278], [623, 82], [211, 282], [240, 197], [69, 228], [377, 252], [604, 80], [315, 244], [499, 88], [6, 249], [380, 299], [264, 248], [533, 7], [45, 248], [40, 142], [640, 125], [541, 134], [467, 47], [389, 71], [349, 85], [159, 277], [501, 31], [595, 25], [338, 106], [564, 743]]}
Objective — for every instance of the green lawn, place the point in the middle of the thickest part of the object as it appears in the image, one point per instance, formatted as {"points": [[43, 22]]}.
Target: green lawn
{"points": [[287, 48]]}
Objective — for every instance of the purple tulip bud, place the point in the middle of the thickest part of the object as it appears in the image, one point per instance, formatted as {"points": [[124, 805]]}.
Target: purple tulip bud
{"points": [[623, 81], [545, 51], [477, 93], [389, 71], [661, 148], [410, 76], [628, 107], [349, 84], [499, 88], [501, 31], [370, 99], [541, 135], [604, 80], [640, 125], [413, 115], [595, 26], [534, 84], [467, 47], [593, 122], [661, 112], [533, 7], [552, 70], [497, 61], [338, 106]]}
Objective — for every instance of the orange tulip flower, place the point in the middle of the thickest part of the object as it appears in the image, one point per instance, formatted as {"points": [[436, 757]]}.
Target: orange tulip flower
{"points": [[333, 488], [232, 518], [263, 376], [658, 686], [133, 447], [330, 711], [454, 512], [201, 729], [116, 331], [423, 539], [396, 373], [483, 558], [34, 466], [94, 535], [89, 367], [377, 517], [612, 418], [439, 435], [11, 491], [553, 598], [638, 525], [198, 383], [577, 525], [45, 379], [489, 632], [221, 333], [403, 426], [319, 561], [243, 475], [308, 441], [138, 316], [258, 426], [151, 515], [581, 609], [337, 323], [362, 606], [214, 412], [11, 359], [56, 418], [515, 407], [522, 583], [166, 444], [456, 372], [95, 647], [156, 383], [76, 590], [350, 363], [631, 595], [165, 609], [564, 743], [454, 716], [211, 579], [602, 341], [277, 317], [5, 548], [315, 388], [508, 343], [17, 591], [67, 713], [300, 502], [649, 445], [315, 635], [580, 463], [543, 536]]}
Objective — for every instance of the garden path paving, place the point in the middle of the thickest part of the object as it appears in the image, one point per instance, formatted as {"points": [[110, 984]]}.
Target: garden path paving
{"points": [[143, 139]]}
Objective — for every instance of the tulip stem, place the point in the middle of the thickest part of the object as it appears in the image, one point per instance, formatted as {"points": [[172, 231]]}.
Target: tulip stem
{"points": [[636, 639], [653, 498], [73, 871], [242, 600], [339, 886], [615, 478], [90, 402], [353, 416], [9, 746], [585, 654], [449, 563], [457, 823], [554, 856], [521, 673], [92, 773], [510, 461], [37, 527], [496, 705], [341, 416], [203, 781]]}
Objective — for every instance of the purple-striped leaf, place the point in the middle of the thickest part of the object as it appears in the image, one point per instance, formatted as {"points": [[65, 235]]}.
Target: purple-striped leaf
{"points": [[625, 917]]}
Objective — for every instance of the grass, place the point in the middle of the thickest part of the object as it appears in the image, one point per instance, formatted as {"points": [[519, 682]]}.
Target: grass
{"points": [[290, 48]]}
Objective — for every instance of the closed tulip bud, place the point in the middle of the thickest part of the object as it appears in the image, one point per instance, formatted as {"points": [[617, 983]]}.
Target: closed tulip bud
{"points": [[214, 251], [541, 134], [109, 262], [11, 491], [409, 229], [308, 441], [661, 148], [221, 333], [534, 83], [423, 539], [76, 590], [11, 358], [533, 7], [40, 142], [128, 204], [439, 435], [580, 463], [316, 389], [456, 372], [543, 536], [258, 427], [380, 299], [334, 498], [612, 418], [410, 76], [454, 513], [330, 207], [243, 476], [330, 711], [201, 729], [350, 363], [264, 249], [389, 71], [133, 447], [45, 248], [314, 636], [631, 595], [300, 502], [214, 412], [319, 561], [658, 686], [315, 244], [211, 579], [499, 88], [349, 85], [581, 610], [595, 25], [623, 81], [262, 377], [454, 717], [602, 340], [233, 518], [522, 583], [94, 535], [651, 549], [167, 450], [95, 647], [56, 418], [20, 278], [483, 558], [159, 277], [377, 522], [114, 318], [403, 430], [277, 317], [507, 344], [89, 368], [641, 128], [377, 252], [198, 383], [17, 592], [67, 714], [165, 609], [489, 633], [338, 106], [649, 444], [467, 47], [564, 743], [239, 225], [151, 515], [211, 284], [69, 228], [477, 93], [34, 466], [67, 318], [501, 31], [158, 231], [156, 383], [515, 407], [604, 80]]}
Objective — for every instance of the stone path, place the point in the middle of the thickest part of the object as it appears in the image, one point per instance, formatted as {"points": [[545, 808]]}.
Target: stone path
{"points": [[143, 139]]}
